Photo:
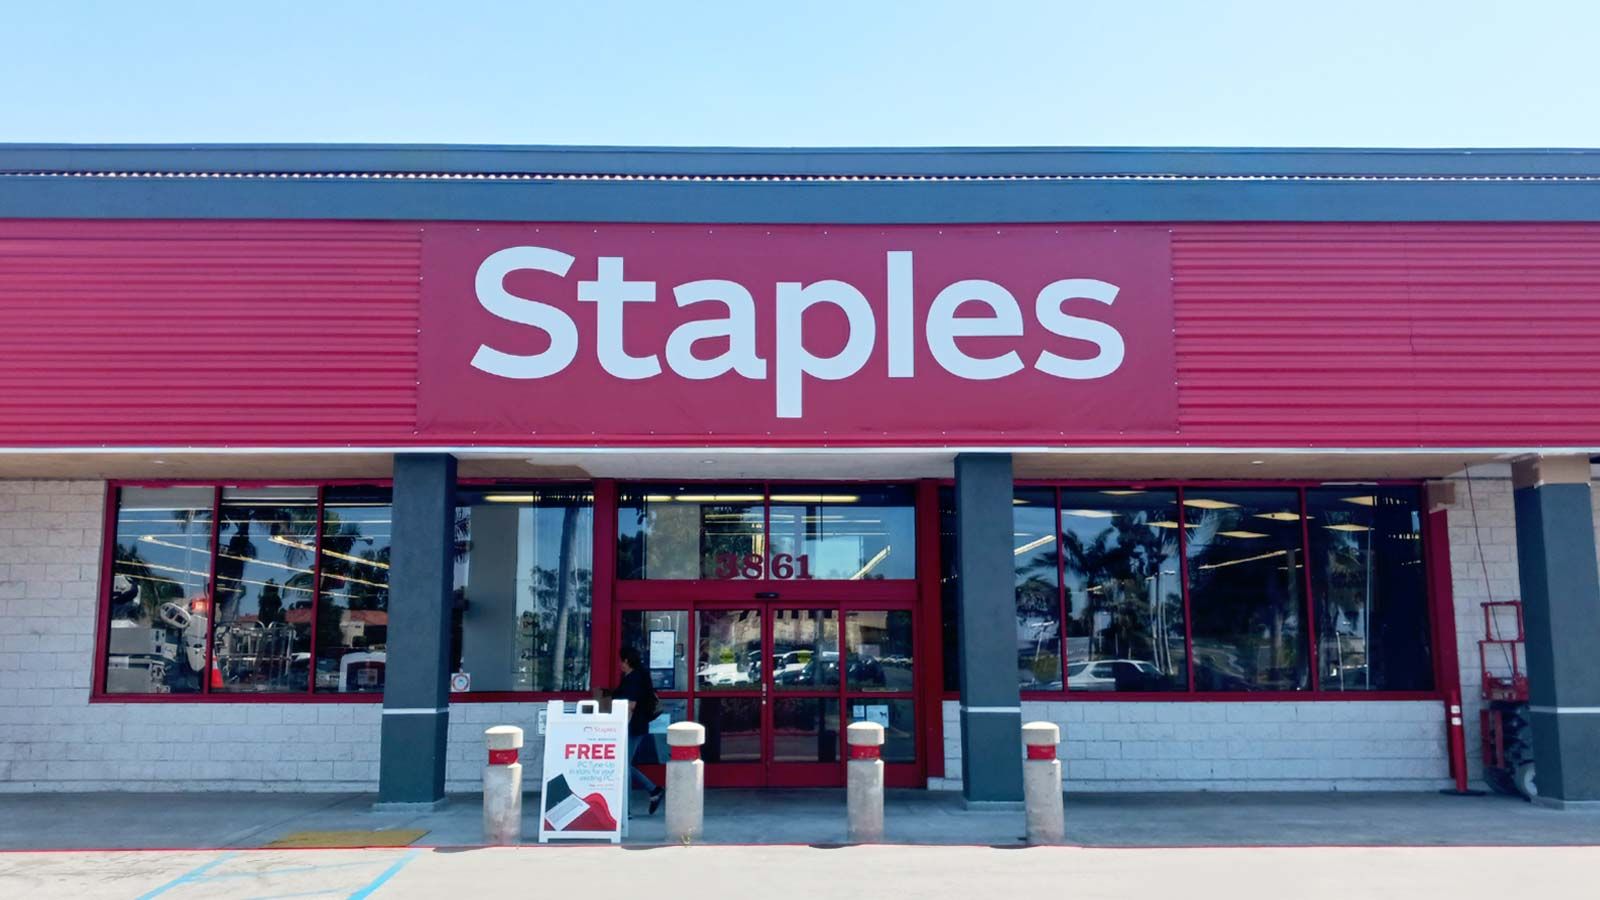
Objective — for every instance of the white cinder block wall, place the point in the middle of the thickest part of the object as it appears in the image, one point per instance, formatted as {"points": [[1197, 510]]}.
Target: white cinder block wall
{"points": [[52, 738], [1236, 746]]}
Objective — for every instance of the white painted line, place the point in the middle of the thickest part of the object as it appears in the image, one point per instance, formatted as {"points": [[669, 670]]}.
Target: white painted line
{"points": [[416, 711]]}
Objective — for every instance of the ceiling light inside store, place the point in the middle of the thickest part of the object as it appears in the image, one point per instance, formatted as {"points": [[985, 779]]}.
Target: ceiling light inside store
{"points": [[1208, 503], [280, 539], [1089, 513], [1121, 493], [718, 498], [871, 564], [1033, 545], [1279, 516], [1367, 500], [814, 498], [1168, 523], [1248, 535], [1347, 526], [1248, 559], [508, 498]]}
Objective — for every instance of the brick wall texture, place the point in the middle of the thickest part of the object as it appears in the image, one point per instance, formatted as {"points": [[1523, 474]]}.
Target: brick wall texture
{"points": [[53, 739]]}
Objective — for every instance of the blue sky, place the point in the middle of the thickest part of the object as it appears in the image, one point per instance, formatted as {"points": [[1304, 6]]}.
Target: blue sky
{"points": [[982, 72]]}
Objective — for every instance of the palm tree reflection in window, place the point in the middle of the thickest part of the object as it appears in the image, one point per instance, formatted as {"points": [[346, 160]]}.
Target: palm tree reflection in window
{"points": [[1124, 591], [266, 541], [524, 564]]}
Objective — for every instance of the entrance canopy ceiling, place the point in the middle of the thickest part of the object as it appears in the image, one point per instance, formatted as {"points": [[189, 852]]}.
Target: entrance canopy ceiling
{"points": [[753, 463]]}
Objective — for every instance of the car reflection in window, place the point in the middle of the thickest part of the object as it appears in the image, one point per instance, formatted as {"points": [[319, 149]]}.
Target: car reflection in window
{"points": [[1114, 675]]}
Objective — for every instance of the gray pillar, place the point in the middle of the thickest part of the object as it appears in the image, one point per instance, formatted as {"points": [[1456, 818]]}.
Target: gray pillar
{"points": [[991, 704], [1561, 608], [416, 692]]}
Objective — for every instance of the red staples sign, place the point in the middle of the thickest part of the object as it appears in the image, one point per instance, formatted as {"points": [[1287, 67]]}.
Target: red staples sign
{"points": [[732, 334]]}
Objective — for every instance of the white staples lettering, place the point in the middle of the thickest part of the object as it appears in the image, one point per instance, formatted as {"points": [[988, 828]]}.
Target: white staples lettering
{"points": [[794, 359]]}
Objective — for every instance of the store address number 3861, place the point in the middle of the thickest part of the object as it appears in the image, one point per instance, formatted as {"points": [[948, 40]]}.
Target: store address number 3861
{"points": [[784, 566]]}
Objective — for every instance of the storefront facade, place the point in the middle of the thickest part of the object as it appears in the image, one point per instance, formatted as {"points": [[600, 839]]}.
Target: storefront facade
{"points": [[314, 462]]}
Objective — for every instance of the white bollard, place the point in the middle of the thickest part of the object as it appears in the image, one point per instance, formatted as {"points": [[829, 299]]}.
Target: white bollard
{"points": [[502, 786], [864, 782], [686, 782], [1041, 784]]}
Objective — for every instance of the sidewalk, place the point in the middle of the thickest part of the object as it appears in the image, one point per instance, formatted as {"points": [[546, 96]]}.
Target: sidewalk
{"points": [[871, 872], [816, 817]]}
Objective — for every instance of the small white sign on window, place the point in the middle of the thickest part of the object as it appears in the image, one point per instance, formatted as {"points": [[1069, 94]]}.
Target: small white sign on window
{"points": [[878, 713], [663, 646]]}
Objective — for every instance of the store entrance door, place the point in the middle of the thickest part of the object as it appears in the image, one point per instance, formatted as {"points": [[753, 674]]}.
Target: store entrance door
{"points": [[772, 684]]}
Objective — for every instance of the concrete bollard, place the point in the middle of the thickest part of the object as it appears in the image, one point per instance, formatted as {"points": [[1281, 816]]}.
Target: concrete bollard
{"points": [[864, 782], [502, 786], [1041, 784], [686, 782]]}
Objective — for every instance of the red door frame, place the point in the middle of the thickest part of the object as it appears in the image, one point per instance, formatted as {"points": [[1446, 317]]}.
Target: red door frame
{"points": [[770, 772], [770, 595]]}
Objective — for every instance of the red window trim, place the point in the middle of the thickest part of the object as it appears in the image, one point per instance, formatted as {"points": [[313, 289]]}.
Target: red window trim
{"points": [[1441, 599], [1221, 696], [1435, 589], [766, 488], [930, 631], [98, 693], [521, 696]]}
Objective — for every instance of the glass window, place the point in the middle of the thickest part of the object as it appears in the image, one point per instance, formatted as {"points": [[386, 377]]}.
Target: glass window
{"points": [[266, 548], [898, 719], [805, 730], [729, 650], [353, 605], [733, 728], [845, 532], [1370, 589], [1033, 539], [524, 578], [656, 750], [878, 654], [1124, 591], [699, 531], [160, 591], [662, 639], [1246, 589], [805, 649]]}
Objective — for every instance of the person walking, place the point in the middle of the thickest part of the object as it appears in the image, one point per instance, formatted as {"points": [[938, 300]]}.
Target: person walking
{"points": [[640, 694]]}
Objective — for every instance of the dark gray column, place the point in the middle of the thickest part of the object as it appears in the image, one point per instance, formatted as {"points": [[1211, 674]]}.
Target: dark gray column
{"points": [[1561, 607], [416, 692], [991, 705]]}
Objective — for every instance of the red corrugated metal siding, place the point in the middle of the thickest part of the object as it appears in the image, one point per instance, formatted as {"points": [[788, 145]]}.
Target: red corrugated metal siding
{"points": [[1386, 335], [207, 332], [295, 333]]}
